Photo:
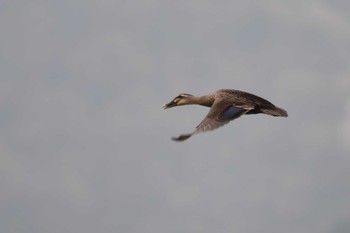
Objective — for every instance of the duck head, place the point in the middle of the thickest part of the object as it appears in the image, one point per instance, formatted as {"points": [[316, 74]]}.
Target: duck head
{"points": [[181, 99]]}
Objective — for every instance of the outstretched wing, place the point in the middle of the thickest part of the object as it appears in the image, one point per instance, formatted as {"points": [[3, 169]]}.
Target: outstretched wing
{"points": [[220, 114]]}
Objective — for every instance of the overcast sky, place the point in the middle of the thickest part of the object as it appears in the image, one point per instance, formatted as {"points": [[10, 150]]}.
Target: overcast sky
{"points": [[85, 144]]}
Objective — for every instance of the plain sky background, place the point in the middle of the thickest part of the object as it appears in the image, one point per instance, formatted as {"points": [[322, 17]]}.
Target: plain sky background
{"points": [[85, 144]]}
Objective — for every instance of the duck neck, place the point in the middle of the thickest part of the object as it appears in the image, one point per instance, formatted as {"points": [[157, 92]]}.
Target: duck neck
{"points": [[201, 100]]}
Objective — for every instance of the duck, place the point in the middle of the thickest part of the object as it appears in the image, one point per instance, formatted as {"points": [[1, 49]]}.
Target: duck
{"points": [[225, 105]]}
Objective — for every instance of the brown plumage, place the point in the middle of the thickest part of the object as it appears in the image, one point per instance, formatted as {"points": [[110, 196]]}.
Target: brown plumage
{"points": [[226, 105]]}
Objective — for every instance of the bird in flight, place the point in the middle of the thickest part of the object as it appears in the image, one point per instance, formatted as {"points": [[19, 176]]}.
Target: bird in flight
{"points": [[225, 106]]}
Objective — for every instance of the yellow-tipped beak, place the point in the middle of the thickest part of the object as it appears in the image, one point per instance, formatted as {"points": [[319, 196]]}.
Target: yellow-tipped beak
{"points": [[169, 105]]}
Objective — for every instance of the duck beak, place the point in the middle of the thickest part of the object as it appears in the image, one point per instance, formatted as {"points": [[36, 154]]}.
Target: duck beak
{"points": [[169, 105]]}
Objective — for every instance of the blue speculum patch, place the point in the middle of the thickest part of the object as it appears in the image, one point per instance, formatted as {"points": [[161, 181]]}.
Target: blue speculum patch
{"points": [[232, 112]]}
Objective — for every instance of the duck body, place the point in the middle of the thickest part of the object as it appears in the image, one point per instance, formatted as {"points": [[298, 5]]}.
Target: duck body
{"points": [[225, 105]]}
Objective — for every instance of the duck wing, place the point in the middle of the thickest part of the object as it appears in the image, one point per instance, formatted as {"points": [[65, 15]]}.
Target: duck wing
{"points": [[221, 113]]}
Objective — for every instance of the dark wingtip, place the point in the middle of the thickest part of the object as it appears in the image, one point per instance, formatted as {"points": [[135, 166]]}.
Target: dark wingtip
{"points": [[182, 137]]}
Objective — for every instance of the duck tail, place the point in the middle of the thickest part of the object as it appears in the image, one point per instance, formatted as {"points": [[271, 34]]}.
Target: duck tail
{"points": [[276, 111]]}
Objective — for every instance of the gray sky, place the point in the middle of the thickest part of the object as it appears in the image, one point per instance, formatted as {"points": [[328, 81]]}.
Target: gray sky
{"points": [[85, 144]]}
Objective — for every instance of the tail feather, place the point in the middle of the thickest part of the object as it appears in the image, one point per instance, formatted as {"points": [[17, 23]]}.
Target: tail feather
{"points": [[275, 111]]}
